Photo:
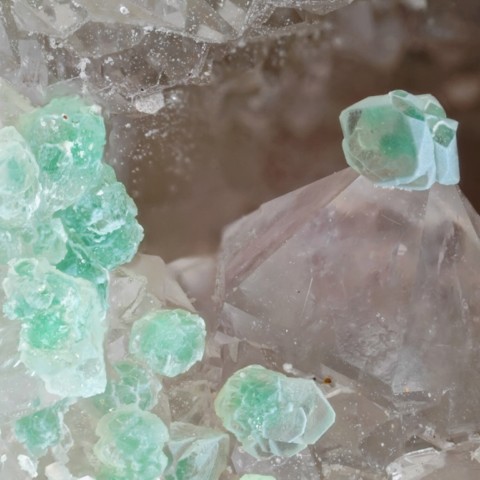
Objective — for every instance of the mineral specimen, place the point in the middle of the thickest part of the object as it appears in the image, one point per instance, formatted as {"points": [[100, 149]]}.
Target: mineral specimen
{"points": [[131, 445], [401, 140], [271, 414], [252, 476], [197, 453], [62, 326], [170, 342]]}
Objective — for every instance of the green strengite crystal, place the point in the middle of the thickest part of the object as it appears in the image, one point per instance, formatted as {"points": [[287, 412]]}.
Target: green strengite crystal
{"points": [[131, 445], [401, 140], [67, 139], [41, 430], [271, 414], [62, 326], [196, 453], [170, 342]]}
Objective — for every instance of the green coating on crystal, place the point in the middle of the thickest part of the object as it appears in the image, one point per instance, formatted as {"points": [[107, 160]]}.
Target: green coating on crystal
{"points": [[103, 222], [131, 445], [254, 476], [19, 186], [67, 138], [133, 385], [401, 140], [170, 342], [41, 430], [196, 453], [62, 326], [271, 414]]}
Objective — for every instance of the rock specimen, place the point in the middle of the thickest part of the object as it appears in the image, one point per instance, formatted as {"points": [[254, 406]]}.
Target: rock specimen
{"points": [[401, 140], [271, 414]]}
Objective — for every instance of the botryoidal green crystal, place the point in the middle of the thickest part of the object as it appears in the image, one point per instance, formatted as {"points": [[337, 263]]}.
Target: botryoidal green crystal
{"points": [[131, 445], [196, 453], [271, 414], [41, 430], [67, 139], [62, 327], [132, 385], [170, 342], [401, 140]]}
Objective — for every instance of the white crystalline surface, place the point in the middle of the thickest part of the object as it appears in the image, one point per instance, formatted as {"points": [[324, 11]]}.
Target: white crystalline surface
{"points": [[375, 292]]}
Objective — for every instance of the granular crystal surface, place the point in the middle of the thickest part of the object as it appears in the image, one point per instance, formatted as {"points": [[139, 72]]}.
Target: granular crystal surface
{"points": [[131, 445], [170, 342], [401, 140], [271, 414]]}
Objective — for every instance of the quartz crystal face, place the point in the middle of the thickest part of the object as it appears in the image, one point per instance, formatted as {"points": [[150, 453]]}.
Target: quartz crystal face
{"points": [[271, 414], [401, 140], [170, 342]]}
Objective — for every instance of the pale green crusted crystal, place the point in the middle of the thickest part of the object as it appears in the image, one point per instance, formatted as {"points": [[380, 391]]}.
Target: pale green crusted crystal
{"points": [[170, 342], [131, 385], [104, 223], [67, 138], [41, 430], [196, 453], [401, 140], [131, 445], [62, 326], [19, 185], [271, 414]]}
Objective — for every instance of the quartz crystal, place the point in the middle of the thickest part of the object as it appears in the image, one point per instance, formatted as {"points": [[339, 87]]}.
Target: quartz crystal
{"points": [[271, 414], [131, 445], [197, 453], [401, 140], [169, 341]]}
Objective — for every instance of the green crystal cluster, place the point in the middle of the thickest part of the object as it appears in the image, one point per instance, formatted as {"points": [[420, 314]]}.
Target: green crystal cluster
{"points": [[131, 445], [65, 222], [170, 342], [401, 140], [271, 414], [196, 453]]}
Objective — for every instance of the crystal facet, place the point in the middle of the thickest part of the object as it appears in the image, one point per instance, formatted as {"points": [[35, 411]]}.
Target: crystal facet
{"points": [[170, 342], [271, 414], [401, 140]]}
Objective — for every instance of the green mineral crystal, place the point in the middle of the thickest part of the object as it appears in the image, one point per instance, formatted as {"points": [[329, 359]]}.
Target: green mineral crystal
{"points": [[41, 430], [254, 476], [103, 223], [168, 341], [131, 445], [132, 385], [401, 140], [271, 414], [62, 326], [19, 186], [196, 453], [67, 138]]}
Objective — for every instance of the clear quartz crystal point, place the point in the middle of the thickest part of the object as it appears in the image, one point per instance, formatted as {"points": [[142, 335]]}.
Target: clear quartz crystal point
{"points": [[401, 140]]}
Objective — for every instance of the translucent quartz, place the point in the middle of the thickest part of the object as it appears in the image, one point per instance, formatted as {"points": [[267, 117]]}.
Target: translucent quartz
{"points": [[131, 445], [19, 186], [67, 138], [103, 222], [170, 342], [197, 453], [62, 326], [253, 476], [133, 385], [401, 140], [271, 414], [41, 430]]}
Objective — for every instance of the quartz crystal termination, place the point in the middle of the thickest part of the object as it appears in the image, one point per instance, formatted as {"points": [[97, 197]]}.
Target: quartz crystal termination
{"points": [[401, 140], [376, 290], [271, 414]]}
